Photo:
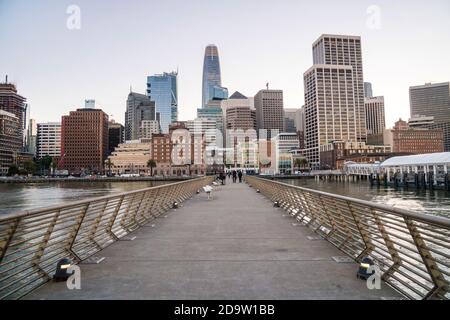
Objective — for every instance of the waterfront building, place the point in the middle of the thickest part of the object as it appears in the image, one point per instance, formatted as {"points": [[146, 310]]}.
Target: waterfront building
{"points": [[139, 108], [12, 102], [211, 79], [162, 89], [269, 111], [404, 138], [10, 140], [429, 123], [130, 157], [84, 140], [431, 100], [116, 133], [48, 140], [375, 119], [335, 154]]}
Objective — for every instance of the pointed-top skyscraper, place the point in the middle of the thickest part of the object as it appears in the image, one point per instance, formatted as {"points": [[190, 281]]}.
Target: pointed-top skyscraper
{"points": [[211, 72]]}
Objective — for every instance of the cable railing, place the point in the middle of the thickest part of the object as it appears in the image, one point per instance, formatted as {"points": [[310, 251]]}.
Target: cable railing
{"points": [[32, 242], [412, 250]]}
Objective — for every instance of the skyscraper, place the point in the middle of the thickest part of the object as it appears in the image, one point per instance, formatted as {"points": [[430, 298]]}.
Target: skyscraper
{"points": [[31, 137], [343, 50], [12, 102], [269, 110], [375, 119], [139, 108], [431, 100], [368, 90], [162, 89], [211, 72], [329, 108]]}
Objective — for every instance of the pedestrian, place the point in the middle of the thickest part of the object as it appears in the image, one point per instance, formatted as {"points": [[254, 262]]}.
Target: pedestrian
{"points": [[234, 176], [240, 176], [222, 178]]}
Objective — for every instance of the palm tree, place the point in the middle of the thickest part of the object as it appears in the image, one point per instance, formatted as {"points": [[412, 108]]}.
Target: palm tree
{"points": [[151, 164], [301, 163], [109, 164]]}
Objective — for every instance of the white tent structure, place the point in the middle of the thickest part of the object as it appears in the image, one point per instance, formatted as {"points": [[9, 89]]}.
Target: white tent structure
{"points": [[437, 163]]}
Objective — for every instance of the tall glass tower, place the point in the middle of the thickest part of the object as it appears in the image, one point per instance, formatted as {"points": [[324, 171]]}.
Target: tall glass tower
{"points": [[211, 72], [162, 89]]}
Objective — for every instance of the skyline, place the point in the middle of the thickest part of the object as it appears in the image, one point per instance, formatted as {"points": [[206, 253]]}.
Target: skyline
{"points": [[101, 61]]}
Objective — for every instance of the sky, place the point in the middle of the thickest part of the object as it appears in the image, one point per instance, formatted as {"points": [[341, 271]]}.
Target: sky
{"points": [[119, 43]]}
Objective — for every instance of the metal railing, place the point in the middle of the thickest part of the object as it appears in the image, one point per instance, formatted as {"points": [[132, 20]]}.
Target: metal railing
{"points": [[412, 250], [32, 242]]}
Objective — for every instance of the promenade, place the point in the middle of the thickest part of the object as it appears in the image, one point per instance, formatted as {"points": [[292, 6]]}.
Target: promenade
{"points": [[235, 246]]}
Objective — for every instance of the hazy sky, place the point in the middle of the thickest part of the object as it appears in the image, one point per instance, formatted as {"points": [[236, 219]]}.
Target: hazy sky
{"points": [[119, 43]]}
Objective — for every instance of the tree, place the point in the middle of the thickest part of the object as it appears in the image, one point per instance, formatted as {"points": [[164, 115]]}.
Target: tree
{"points": [[45, 163], [30, 167], [13, 170], [109, 164], [151, 164]]}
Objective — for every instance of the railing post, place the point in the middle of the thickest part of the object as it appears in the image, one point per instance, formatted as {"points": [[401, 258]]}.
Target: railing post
{"points": [[433, 270], [37, 257], [75, 232], [4, 244], [113, 219], [365, 235], [389, 245]]}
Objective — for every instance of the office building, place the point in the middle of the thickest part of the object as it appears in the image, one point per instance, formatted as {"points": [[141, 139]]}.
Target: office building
{"points": [[84, 140], [162, 89], [116, 133], [149, 128], [10, 140], [139, 108], [48, 140], [330, 109], [211, 73], [429, 123], [368, 90], [31, 137], [269, 111], [431, 100], [12, 102], [375, 119], [130, 157], [404, 138], [344, 50]]}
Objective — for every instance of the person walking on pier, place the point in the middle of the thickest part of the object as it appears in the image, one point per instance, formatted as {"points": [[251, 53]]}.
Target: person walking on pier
{"points": [[240, 176], [234, 176]]}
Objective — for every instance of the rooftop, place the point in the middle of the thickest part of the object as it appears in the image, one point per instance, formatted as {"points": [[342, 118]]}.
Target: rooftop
{"points": [[420, 159]]}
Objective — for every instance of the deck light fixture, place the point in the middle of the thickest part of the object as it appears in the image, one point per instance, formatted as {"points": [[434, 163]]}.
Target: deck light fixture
{"points": [[175, 205], [276, 204], [365, 264], [61, 273], [257, 191]]}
